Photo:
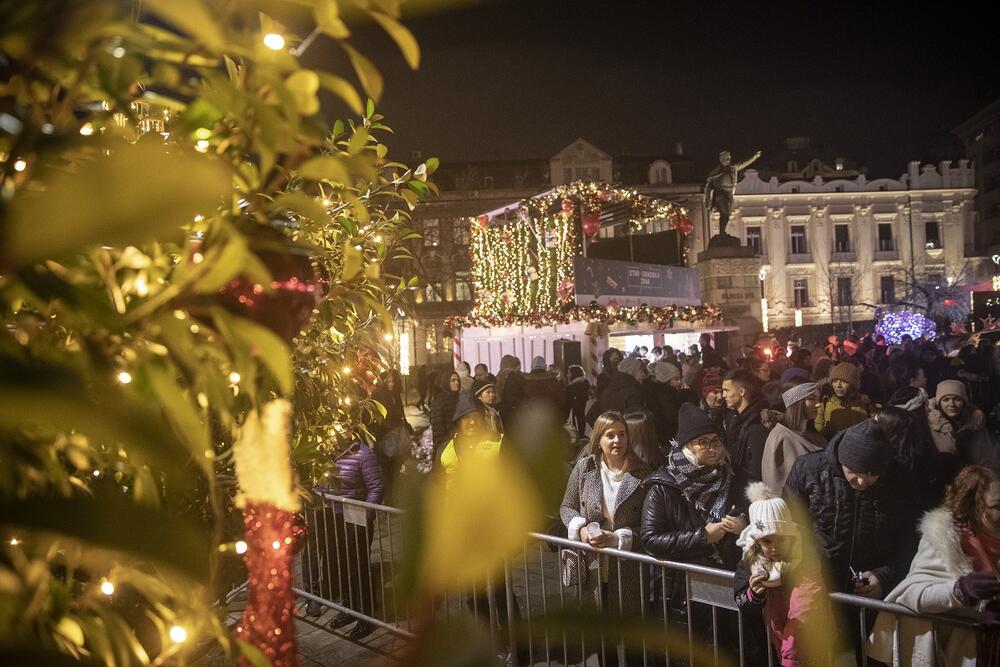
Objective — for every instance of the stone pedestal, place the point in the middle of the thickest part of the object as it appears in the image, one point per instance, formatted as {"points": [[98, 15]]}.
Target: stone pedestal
{"points": [[729, 278]]}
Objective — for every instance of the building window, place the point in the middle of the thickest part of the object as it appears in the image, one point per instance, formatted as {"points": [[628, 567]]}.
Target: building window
{"points": [[800, 291], [432, 292], [932, 234], [885, 242], [463, 286], [487, 182], [935, 281], [795, 189], [793, 165], [460, 231], [799, 245], [839, 167], [432, 232], [887, 289], [754, 239], [882, 188], [845, 296], [841, 238]]}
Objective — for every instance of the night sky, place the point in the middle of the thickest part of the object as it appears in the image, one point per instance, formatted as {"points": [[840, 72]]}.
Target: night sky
{"points": [[874, 82]]}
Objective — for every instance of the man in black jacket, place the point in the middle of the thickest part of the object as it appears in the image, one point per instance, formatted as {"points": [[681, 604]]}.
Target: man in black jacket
{"points": [[858, 503], [745, 433]]}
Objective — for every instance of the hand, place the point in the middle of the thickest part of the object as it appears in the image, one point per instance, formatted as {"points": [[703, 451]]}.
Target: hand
{"points": [[604, 539], [976, 587], [873, 589], [757, 582], [716, 531], [733, 525]]}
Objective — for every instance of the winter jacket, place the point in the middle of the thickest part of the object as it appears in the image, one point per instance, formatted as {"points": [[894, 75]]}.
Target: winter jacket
{"points": [[510, 393], [966, 436], [929, 589], [577, 393], [359, 476], [665, 403], [442, 418], [544, 387], [745, 437], [782, 447], [582, 504], [790, 609], [673, 529], [835, 414], [870, 530], [450, 462], [623, 394], [394, 414]]}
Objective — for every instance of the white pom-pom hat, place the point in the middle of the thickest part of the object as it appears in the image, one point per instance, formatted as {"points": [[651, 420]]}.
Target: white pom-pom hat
{"points": [[769, 515]]}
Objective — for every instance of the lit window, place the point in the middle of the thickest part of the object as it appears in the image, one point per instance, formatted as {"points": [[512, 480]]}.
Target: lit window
{"points": [[460, 231], [432, 292], [463, 286], [800, 292], [932, 235], [432, 232]]}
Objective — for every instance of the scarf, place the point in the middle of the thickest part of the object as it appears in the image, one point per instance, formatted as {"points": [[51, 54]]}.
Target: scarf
{"points": [[704, 487], [917, 402]]}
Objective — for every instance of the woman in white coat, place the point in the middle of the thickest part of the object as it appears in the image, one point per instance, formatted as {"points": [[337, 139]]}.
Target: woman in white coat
{"points": [[955, 572]]}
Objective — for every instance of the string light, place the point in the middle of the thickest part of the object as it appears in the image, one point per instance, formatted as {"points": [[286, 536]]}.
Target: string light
{"points": [[14, 542], [124, 377], [895, 325], [276, 545], [178, 634], [201, 146], [86, 129], [20, 165], [404, 353], [763, 314], [234, 377], [274, 41], [798, 317], [240, 547], [107, 587]]}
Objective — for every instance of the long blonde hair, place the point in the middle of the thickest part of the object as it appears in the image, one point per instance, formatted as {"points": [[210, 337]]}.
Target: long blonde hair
{"points": [[601, 426]]}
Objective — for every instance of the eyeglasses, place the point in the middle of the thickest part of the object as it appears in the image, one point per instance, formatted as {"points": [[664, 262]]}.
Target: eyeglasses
{"points": [[714, 443]]}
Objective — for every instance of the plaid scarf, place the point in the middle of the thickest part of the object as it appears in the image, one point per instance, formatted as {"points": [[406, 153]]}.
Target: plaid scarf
{"points": [[705, 487]]}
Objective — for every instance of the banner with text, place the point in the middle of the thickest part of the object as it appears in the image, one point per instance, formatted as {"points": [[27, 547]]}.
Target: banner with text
{"points": [[634, 283]]}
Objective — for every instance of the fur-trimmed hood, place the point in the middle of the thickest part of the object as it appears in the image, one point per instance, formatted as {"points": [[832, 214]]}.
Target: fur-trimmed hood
{"points": [[940, 529]]}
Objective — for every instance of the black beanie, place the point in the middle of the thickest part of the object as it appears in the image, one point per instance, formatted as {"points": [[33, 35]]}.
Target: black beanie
{"points": [[466, 404], [863, 448], [693, 422]]}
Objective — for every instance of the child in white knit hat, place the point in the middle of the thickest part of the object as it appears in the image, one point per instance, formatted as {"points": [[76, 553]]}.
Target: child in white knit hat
{"points": [[771, 576]]}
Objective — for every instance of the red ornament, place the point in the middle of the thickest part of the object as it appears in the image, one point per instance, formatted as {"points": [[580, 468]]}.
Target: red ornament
{"points": [[294, 290], [684, 226], [591, 224], [567, 206], [268, 621], [483, 221]]}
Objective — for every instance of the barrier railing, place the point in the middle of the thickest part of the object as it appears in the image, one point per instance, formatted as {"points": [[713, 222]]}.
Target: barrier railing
{"points": [[354, 552]]}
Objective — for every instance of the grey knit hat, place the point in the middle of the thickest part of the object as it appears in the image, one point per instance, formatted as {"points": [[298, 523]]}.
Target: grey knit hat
{"points": [[798, 393], [863, 448], [664, 371]]}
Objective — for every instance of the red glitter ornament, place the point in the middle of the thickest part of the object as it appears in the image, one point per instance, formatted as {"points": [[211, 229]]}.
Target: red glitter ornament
{"points": [[591, 224], [483, 221], [268, 621], [684, 226]]}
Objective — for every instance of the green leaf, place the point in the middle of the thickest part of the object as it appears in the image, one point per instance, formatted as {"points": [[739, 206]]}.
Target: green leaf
{"points": [[302, 204], [113, 201], [325, 168], [402, 36], [343, 89], [432, 165], [181, 413], [370, 108], [358, 141], [263, 343], [224, 265], [192, 17], [367, 73], [353, 262], [112, 522]]}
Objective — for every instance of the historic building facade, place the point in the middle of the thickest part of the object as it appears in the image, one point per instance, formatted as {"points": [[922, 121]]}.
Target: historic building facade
{"points": [[981, 137], [832, 251]]}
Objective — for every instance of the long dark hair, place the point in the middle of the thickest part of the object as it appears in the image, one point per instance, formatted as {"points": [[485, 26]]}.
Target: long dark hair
{"points": [[794, 418], [642, 439], [903, 430]]}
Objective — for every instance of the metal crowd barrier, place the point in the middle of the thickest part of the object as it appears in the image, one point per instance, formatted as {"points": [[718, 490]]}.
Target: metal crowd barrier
{"points": [[353, 555]]}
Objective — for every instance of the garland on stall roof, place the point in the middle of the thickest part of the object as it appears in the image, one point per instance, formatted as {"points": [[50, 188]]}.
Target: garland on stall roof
{"points": [[661, 317]]}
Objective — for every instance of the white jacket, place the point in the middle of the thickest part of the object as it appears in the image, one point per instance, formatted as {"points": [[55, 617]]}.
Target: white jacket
{"points": [[928, 589]]}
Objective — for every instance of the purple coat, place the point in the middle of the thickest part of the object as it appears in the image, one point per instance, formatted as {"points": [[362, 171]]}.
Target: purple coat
{"points": [[359, 475]]}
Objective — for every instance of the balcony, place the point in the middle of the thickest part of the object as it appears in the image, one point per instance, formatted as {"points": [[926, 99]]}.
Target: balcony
{"points": [[843, 252], [886, 251], [799, 258]]}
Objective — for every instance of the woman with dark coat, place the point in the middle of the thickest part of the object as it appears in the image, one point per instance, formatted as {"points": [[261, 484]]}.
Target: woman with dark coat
{"points": [[577, 394], [443, 410], [623, 392]]}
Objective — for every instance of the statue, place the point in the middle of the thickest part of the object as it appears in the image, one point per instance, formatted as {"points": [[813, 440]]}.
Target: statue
{"points": [[719, 188]]}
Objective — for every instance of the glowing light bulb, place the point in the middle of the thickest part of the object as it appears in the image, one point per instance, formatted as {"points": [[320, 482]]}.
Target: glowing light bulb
{"points": [[201, 146], [107, 587], [387, 337], [14, 541], [241, 547], [197, 258], [346, 370], [326, 202], [234, 377], [20, 165], [118, 52], [276, 545], [202, 133], [178, 634], [274, 41], [86, 129], [199, 218], [124, 377]]}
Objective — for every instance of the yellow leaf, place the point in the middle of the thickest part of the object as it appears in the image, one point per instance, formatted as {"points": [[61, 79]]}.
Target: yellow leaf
{"points": [[71, 630], [327, 15], [367, 73], [403, 38], [353, 262], [469, 508], [303, 85], [192, 17], [342, 89]]}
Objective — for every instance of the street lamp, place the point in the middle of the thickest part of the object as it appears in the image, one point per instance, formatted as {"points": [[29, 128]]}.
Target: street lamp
{"points": [[763, 299]]}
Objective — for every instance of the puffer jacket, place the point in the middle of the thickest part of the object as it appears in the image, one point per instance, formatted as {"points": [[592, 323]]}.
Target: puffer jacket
{"points": [[835, 414], [673, 529], [359, 476], [871, 530], [745, 438]]}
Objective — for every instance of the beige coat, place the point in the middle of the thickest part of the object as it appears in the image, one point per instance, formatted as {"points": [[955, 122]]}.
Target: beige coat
{"points": [[782, 447], [928, 589]]}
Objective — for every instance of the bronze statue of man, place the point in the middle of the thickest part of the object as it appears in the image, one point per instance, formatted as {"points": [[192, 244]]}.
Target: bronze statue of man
{"points": [[721, 185]]}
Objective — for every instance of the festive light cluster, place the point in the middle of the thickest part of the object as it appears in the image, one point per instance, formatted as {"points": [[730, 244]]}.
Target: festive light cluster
{"points": [[522, 258], [662, 317], [895, 325]]}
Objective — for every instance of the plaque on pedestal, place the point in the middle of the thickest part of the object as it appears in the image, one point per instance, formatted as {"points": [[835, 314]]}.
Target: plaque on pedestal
{"points": [[729, 277]]}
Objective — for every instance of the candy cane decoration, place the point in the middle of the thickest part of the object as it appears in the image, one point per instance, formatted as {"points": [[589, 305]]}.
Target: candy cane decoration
{"points": [[456, 349]]}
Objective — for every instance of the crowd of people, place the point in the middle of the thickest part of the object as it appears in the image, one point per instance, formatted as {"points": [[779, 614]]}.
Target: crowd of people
{"points": [[883, 459]]}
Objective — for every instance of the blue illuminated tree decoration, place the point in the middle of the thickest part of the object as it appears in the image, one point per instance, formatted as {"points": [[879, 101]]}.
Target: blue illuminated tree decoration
{"points": [[895, 325]]}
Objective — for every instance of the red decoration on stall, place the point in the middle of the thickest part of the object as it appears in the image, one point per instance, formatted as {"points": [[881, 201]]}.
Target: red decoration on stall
{"points": [[591, 224], [567, 206], [483, 221], [268, 621], [684, 226]]}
